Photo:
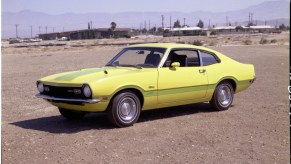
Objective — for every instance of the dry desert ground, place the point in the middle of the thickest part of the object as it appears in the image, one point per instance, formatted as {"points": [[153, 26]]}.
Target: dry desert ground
{"points": [[254, 130]]}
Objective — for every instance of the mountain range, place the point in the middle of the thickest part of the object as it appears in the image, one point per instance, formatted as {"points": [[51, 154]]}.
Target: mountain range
{"points": [[269, 12]]}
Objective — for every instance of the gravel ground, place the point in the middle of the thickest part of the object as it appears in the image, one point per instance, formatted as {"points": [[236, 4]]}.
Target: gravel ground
{"points": [[254, 130]]}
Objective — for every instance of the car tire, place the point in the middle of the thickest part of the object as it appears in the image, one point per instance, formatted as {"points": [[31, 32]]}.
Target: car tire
{"points": [[124, 109], [223, 96], [71, 114]]}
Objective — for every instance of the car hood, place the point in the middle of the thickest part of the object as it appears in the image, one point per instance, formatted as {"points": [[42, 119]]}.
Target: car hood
{"points": [[87, 75]]}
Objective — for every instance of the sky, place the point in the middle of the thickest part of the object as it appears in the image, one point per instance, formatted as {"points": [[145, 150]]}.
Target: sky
{"points": [[111, 6]]}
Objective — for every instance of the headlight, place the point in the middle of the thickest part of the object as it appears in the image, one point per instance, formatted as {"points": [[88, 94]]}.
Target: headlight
{"points": [[87, 91], [40, 87]]}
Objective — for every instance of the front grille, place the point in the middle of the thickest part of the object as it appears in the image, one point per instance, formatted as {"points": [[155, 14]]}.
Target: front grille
{"points": [[64, 92]]}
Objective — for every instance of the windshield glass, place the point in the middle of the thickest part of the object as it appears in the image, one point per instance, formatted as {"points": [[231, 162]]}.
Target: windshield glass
{"points": [[139, 57]]}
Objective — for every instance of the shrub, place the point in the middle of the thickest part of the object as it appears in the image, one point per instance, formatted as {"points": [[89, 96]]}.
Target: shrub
{"points": [[213, 33], [197, 43], [212, 43], [247, 42], [273, 41], [263, 41]]}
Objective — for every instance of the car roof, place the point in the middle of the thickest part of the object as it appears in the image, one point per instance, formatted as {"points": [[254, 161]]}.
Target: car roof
{"points": [[172, 45]]}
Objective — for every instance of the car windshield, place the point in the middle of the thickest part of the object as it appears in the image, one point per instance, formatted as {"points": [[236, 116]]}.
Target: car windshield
{"points": [[138, 57]]}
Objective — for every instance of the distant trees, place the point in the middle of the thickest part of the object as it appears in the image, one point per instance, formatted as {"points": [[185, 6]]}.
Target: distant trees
{"points": [[239, 28], [113, 26], [153, 30], [200, 24], [177, 24], [160, 30], [283, 27]]}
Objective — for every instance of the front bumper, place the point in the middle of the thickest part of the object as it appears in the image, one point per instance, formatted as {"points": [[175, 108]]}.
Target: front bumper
{"points": [[89, 101]]}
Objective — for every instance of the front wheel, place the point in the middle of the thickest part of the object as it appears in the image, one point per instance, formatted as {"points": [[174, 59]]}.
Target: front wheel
{"points": [[71, 114], [222, 97], [124, 109]]}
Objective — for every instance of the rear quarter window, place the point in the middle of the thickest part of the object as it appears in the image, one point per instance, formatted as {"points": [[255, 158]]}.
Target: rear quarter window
{"points": [[208, 58]]}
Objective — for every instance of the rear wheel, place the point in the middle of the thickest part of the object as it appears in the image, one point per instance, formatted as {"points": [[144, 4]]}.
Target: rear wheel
{"points": [[124, 109], [71, 114], [223, 96]]}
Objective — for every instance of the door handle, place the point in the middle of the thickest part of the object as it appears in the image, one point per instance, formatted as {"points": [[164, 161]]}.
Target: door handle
{"points": [[202, 70]]}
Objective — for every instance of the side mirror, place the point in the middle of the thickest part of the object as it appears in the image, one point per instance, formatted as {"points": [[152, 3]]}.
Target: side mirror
{"points": [[175, 64]]}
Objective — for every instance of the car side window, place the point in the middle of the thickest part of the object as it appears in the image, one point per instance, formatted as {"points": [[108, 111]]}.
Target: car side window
{"points": [[208, 58], [186, 58]]}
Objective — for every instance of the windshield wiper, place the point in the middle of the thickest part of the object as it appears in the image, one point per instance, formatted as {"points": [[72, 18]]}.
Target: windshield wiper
{"points": [[130, 65]]}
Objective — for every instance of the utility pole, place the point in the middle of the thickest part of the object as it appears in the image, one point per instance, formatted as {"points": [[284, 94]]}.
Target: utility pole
{"points": [[149, 25], [170, 22], [30, 31], [249, 18], [227, 21], [252, 14], [208, 23], [16, 26], [46, 29], [39, 29], [184, 21], [163, 22], [140, 25]]}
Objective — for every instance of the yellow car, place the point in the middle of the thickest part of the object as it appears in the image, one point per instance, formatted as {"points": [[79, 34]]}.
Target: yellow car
{"points": [[148, 76]]}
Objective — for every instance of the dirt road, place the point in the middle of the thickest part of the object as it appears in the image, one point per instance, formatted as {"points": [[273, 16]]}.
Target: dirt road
{"points": [[254, 130]]}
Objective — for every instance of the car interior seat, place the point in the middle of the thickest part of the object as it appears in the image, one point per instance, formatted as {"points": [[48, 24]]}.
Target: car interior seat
{"points": [[153, 59]]}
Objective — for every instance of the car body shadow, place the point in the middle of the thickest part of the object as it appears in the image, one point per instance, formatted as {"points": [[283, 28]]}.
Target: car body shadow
{"points": [[176, 111], [58, 124]]}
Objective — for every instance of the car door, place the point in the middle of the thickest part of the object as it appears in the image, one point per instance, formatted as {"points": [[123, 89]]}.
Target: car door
{"points": [[185, 83]]}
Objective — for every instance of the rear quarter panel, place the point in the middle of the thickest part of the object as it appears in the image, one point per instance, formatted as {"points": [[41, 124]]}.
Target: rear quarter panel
{"points": [[228, 68]]}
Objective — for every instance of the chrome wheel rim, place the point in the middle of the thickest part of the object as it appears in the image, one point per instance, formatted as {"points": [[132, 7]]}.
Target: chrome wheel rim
{"points": [[224, 96], [127, 109]]}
